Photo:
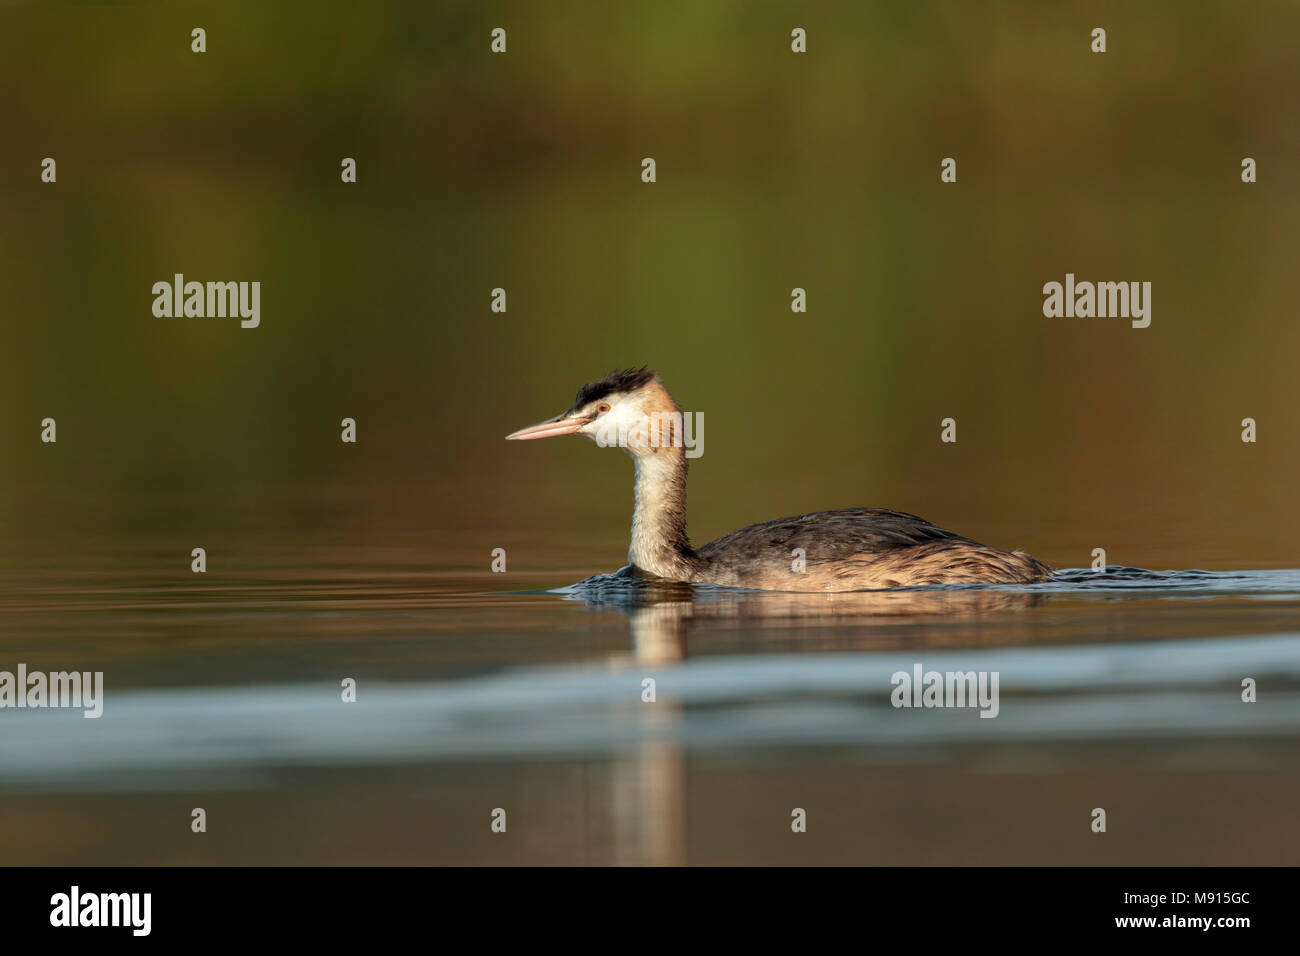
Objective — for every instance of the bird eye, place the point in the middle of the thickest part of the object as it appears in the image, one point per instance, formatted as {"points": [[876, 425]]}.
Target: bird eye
{"points": [[602, 407]]}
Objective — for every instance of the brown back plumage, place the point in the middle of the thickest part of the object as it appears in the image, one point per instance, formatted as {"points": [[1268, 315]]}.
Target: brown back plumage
{"points": [[858, 549]]}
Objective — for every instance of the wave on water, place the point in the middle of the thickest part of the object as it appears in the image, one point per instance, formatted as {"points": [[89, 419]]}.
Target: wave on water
{"points": [[630, 588]]}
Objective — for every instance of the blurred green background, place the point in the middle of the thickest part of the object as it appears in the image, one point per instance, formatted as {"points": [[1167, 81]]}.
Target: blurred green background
{"points": [[522, 170]]}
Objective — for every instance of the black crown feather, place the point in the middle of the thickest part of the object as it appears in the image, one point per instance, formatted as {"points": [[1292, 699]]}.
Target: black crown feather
{"points": [[628, 380]]}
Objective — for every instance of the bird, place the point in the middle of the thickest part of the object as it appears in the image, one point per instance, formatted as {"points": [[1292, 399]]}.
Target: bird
{"points": [[851, 549]]}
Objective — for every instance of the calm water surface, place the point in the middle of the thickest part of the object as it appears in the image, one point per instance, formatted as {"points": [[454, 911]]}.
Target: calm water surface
{"points": [[1119, 689]]}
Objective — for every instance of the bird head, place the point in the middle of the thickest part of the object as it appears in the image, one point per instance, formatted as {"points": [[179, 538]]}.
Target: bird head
{"points": [[629, 409]]}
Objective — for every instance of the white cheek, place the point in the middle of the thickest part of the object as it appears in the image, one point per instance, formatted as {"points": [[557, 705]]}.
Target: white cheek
{"points": [[615, 427]]}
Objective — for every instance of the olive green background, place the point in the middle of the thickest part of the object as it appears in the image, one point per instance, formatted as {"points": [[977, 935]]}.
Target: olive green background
{"points": [[522, 170]]}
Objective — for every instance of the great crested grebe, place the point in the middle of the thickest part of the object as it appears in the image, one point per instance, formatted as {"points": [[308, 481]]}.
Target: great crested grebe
{"points": [[848, 550]]}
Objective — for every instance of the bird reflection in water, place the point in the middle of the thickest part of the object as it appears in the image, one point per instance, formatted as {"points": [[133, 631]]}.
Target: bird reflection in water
{"points": [[663, 613], [648, 797]]}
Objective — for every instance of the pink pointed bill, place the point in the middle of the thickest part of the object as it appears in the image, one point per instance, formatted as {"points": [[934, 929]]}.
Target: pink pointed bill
{"points": [[549, 428]]}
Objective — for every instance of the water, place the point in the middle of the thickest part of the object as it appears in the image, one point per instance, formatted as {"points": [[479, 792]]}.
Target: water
{"points": [[1119, 689]]}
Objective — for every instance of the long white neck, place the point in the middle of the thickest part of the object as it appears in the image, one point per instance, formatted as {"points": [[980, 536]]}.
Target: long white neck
{"points": [[659, 541]]}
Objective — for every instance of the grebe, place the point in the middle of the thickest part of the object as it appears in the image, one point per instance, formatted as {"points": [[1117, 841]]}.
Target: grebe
{"points": [[848, 550]]}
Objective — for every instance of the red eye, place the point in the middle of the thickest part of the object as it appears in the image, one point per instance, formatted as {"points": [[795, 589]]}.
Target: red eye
{"points": [[603, 407]]}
